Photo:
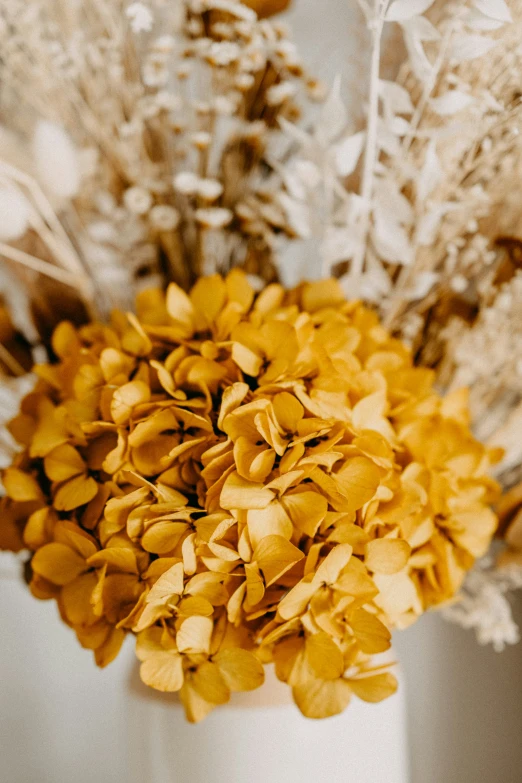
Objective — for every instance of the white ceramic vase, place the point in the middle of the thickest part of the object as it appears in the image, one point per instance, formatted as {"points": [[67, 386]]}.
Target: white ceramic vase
{"points": [[261, 737], [63, 720]]}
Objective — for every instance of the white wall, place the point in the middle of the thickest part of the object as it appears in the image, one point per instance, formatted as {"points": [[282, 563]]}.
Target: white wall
{"points": [[464, 705]]}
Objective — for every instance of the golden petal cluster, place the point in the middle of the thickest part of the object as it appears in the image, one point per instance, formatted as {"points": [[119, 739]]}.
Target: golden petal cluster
{"points": [[240, 479]]}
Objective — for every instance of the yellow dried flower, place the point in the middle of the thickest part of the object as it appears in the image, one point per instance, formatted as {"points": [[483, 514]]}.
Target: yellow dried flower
{"points": [[267, 7], [239, 479]]}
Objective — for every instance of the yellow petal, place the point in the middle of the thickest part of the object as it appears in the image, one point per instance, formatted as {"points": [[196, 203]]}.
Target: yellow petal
{"points": [[209, 586], [270, 521], [255, 588], [169, 584], [235, 604], [107, 652], [288, 655], [357, 481], [39, 528], [63, 463], [180, 309], [239, 289], [232, 398], [240, 669], [143, 616], [306, 510], [473, 530], [76, 600], [163, 537], [126, 397], [372, 635], [91, 637], [322, 698], [324, 656], [163, 671], [71, 535], [356, 581], [296, 601], [117, 509], [274, 556], [238, 493], [387, 555], [209, 683], [194, 635], [20, 486], [58, 563], [329, 570], [117, 558], [321, 294], [195, 604], [254, 463], [248, 362], [370, 414], [208, 296], [148, 642], [288, 411], [376, 688], [74, 493], [188, 553], [115, 364], [135, 340], [398, 594], [65, 341], [196, 707]]}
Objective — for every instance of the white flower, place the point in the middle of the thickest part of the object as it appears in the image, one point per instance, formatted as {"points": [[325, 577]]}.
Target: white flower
{"points": [[280, 93], [210, 189], [164, 218], [186, 182], [214, 217], [137, 200], [155, 71], [223, 53], [14, 213], [140, 18]]}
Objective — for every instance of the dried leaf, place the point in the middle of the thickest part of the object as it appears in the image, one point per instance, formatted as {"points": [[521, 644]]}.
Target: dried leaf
{"points": [[402, 10]]}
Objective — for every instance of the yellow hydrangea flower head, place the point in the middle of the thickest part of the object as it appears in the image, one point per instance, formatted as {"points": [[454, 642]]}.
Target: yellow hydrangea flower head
{"points": [[239, 479]]}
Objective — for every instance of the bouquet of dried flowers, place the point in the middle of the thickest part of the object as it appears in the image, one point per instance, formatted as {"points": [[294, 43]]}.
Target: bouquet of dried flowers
{"points": [[234, 470]]}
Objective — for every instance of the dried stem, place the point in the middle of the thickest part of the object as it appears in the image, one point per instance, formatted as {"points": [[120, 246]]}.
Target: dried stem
{"points": [[12, 363], [43, 267], [371, 147]]}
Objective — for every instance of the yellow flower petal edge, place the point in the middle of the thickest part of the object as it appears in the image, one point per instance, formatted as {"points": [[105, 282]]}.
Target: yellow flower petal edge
{"points": [[239, 479]]}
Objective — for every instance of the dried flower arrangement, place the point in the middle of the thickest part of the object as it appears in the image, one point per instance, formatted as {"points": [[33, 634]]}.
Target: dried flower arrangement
{"points": [[227, 474], [246, 473]]}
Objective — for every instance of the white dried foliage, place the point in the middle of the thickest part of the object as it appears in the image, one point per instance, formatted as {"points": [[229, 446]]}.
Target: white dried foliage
{"points": [[402, 10], [484, 606], [152, 124], [140, 17], [14, 212], [57, 161]]}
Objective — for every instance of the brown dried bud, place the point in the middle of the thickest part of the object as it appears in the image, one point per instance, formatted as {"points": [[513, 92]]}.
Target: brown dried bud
{"points": [[264, 8]]}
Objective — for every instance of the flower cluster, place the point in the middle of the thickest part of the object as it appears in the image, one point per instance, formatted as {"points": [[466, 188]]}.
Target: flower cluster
{"points": [[240, 479]]}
